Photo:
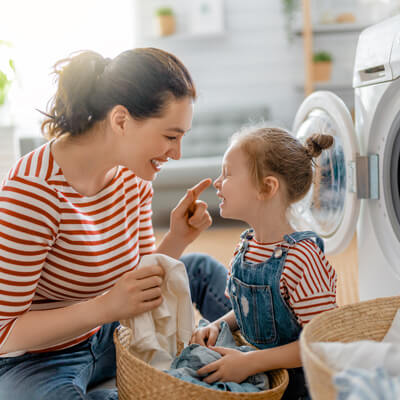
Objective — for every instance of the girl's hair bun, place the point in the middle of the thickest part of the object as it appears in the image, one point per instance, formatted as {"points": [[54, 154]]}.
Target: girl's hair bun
{"points": [[316, 143]]}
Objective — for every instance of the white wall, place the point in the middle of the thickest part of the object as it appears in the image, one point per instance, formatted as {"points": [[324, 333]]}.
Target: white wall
{"points": [[251, 63]]}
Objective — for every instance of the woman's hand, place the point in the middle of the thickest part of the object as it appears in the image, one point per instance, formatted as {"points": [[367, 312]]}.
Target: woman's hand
{"points": [[232, 367], [206, 336], [190, 217], [134, 293]]}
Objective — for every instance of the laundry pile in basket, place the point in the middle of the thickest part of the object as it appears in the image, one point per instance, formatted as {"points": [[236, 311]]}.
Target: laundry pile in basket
{"points": [[155, 334], [366, 369]]}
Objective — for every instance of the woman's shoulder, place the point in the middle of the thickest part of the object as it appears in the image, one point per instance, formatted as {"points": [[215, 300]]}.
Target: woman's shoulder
{"points": [[35, 165]]}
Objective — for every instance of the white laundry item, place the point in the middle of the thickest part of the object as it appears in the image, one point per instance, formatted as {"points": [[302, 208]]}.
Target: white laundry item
{"points": [[155, 333], [393, 334], [365, 354], [362, 384]]}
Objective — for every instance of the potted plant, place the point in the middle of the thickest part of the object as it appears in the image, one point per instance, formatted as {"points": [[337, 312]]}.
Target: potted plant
{"points": [[165, 21], [322, 66], [7, 76]]}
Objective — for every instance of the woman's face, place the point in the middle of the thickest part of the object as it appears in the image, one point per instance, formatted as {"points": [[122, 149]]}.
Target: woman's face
{"points": [[151, 142]]}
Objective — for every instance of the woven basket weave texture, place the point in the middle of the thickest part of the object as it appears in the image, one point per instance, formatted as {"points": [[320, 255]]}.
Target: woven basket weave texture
{"points": [[367, 320], [138, 380]]}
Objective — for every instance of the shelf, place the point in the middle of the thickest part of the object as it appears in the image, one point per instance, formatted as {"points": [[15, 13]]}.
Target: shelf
{"points": [[186, 36], [333, 28], [329, 85]]}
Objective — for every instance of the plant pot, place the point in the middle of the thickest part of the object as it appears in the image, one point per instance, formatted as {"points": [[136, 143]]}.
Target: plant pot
{"points": [[165, 25], [322, 71]]}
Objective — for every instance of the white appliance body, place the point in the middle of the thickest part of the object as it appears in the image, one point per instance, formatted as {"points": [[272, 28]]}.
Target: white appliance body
{"points": [[377, 112], [378, 234], [359, 185]]}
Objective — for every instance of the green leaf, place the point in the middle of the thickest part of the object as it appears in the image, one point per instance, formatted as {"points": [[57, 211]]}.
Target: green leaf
{"points": [[322, 56], [164, 11], [11, 64]]}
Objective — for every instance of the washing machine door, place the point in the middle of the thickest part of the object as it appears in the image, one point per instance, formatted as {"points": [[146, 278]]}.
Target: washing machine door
{"points": [[331, 207]]}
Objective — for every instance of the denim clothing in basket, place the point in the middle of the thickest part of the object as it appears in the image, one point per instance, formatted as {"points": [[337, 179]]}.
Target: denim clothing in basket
{"points": [[264, 317], [196, 356], [68, 373]]}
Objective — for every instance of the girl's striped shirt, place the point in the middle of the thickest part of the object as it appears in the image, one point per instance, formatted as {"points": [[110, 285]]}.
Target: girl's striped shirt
{"points": [[308, 281], [58, 247]]}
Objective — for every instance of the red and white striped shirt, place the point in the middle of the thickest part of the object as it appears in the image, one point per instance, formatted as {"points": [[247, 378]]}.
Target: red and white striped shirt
{"points": [[58, 247], [308, 281]]}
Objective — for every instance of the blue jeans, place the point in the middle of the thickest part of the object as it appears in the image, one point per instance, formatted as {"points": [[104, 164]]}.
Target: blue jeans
{"points": [[64, 374], [67, 374], [208, 279]]}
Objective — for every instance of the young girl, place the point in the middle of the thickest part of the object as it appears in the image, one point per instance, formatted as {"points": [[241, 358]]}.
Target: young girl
{"points": [[279, 279]]}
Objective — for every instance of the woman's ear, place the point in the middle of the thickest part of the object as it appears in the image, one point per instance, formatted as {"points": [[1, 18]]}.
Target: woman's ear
{"points": [[270, 188], [119, 119]]}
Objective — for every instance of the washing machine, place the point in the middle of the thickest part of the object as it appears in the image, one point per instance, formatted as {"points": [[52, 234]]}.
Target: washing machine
{"points": [[357, 182]]}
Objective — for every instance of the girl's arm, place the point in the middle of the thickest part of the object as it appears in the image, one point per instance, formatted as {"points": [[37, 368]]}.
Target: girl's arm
{"points": [[236, 366], [286, 356], [230, 319], [208, 335]]}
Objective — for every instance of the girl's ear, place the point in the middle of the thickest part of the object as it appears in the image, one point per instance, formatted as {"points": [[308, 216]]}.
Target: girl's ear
{"points": [[118, 119], [271, 187]]}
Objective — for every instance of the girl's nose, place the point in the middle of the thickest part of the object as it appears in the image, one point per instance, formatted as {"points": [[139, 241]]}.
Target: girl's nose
{"points": [[216, 182]]}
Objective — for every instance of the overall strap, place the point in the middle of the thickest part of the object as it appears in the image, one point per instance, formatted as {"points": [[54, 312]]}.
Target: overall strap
{"points": [[244, 240], [296, 237], [247, 234]]}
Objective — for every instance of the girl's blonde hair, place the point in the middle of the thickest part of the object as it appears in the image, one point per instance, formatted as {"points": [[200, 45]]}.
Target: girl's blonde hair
{"points": [[274, 151]]}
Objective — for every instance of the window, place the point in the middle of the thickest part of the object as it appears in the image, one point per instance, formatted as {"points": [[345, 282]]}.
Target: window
{"points": [[45, 31]]}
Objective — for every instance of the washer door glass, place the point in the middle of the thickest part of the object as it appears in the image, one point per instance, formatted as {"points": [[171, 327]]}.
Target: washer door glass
{"points": [[322, 208], [331, 207], [393, 177]]}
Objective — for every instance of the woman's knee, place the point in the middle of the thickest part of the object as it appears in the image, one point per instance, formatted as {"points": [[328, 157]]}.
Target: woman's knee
{"points": [[200, 264]]}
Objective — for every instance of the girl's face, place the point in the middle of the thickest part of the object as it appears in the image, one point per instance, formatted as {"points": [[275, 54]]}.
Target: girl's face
{"points": [[235, 187], [151, 142]]}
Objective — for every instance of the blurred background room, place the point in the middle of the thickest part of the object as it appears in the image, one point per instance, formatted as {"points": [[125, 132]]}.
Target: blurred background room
{"points": [[251, 61]]}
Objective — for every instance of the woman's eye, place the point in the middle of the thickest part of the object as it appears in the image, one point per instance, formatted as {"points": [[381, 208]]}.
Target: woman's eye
{"points": [[171, 137]]}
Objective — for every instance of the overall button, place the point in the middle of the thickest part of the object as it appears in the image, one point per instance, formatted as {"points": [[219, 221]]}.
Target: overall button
{"points": [[278, 253]]}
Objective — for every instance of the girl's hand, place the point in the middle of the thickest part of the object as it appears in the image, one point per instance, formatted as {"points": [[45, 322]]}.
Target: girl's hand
{"points": [[190, 217], [134, 293], [206, 336], [232, 367]]}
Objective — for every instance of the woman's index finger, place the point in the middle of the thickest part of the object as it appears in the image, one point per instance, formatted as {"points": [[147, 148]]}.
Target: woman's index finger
{"points": [[200, 187]]}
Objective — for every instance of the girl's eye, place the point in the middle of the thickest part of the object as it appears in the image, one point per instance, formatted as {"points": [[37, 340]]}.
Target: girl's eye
{"points": [[171, 137]]}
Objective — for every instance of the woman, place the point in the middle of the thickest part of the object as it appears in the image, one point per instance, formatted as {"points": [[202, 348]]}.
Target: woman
{"points": [[76, 218]]}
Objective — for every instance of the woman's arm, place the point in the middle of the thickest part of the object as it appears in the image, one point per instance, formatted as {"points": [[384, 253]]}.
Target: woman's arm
{"points": [[188, 219], [135, 292]]}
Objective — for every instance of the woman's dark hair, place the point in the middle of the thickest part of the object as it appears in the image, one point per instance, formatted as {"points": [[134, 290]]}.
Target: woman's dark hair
{"points": [[276, 151], [143, 80]]}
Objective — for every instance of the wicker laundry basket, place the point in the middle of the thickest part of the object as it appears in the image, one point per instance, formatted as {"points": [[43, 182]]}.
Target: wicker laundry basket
{"points": [[138, 380], [367, 320]]}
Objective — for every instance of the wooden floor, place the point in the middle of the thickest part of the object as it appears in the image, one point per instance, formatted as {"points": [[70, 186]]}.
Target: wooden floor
{"points": [[220, 242]]}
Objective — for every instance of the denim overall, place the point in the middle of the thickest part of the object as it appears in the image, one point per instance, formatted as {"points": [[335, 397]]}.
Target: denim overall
{"points": [[264, 318]]}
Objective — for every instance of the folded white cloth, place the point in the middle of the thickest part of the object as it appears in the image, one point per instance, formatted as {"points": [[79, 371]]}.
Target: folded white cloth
{"points": [[366, 354], [155, 333]]}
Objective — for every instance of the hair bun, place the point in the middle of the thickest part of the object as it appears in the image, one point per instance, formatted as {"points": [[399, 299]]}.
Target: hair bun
{"points": [[318, 142]]}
